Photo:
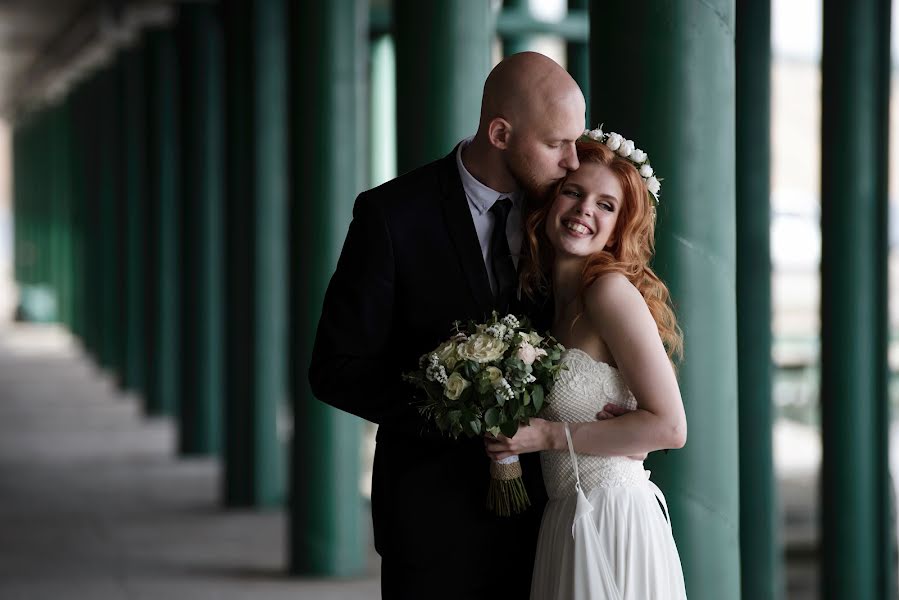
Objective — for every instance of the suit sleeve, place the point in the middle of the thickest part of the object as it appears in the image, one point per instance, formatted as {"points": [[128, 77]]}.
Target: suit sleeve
{"points": [[350, 367]]}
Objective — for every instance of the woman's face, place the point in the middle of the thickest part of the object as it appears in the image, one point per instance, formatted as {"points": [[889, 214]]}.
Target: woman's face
{"points": [[582, 218]]}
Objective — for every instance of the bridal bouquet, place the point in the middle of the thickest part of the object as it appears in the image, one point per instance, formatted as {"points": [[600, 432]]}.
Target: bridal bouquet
{"points": [[490, 378]]}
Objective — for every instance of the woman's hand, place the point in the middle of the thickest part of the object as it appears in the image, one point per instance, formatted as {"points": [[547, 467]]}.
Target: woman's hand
{"points": [[538, 435]]}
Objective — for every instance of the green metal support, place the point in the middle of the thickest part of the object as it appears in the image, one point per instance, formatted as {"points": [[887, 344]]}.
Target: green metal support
{"points": [[854, 511], [327, 42], [134, 201], [256, 253], [760, 550], [382, 120], [662, 53], [163, 250], [201, 243], [442, 60], [578, 55], [512, 44]]}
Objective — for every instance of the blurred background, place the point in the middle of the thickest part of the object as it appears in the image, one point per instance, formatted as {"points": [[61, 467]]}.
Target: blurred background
{"points": [[176, 179]]}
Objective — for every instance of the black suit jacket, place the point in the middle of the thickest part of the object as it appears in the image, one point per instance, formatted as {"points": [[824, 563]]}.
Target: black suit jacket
{"points": [[410, 266]]}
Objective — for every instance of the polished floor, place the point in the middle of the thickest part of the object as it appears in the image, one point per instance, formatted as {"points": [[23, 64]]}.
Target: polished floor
{"points": [[94, 506]]}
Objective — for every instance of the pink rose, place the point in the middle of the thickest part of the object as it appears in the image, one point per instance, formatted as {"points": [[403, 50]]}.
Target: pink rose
{"points": [[527, 353]]}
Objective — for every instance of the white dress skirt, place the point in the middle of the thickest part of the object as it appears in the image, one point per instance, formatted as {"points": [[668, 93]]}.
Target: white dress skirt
{"points": [[605, 533]]}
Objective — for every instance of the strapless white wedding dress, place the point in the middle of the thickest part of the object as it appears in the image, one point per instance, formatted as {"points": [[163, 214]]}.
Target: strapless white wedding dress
{"points": [[605, 533]]}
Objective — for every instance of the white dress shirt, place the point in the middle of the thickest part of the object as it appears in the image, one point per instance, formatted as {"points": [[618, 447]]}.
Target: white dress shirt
{"points": [[480, 201]]}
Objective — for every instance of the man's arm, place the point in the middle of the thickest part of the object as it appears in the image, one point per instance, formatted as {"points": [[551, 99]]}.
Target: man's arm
{"points": [[350, 369]]}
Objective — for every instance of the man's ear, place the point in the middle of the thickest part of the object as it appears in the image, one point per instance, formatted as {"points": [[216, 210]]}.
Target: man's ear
{"points": [[498, 133]]}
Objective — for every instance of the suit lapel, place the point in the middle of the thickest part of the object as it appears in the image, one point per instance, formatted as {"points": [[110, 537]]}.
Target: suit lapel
{"points": [[464, 236]]}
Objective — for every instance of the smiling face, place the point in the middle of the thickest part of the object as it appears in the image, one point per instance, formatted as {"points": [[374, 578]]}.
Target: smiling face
{"points": [[584, 214]]}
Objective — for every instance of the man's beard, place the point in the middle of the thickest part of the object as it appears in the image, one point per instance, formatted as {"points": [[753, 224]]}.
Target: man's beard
{"points": [[527, 182]]}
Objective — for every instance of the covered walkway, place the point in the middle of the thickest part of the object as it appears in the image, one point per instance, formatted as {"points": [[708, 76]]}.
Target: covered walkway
{"points": [[95, 505]]}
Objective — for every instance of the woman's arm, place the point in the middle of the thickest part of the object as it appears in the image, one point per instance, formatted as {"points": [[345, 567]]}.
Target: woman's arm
{"points": [[618, 313]]}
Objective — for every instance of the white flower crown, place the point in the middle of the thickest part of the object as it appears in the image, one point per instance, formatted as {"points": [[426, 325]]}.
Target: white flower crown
{"points": [[627, 149]]}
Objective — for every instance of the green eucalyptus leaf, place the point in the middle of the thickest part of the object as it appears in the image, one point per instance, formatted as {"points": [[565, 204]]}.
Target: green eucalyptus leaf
{"points": [[537, 397]]}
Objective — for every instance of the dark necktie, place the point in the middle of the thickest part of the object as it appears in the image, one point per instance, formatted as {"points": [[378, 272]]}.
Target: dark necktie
{"points": [[504, 273]]}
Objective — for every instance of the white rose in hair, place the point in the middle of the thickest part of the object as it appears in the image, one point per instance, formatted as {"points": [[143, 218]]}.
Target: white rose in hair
{"points": [[638, 156], [614, 141], [596, 134], [626, 148], [646, 171], [653, 185]]}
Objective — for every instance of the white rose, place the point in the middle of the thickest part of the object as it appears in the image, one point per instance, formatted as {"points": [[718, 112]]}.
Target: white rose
{"points": [[614, 141], [527, 353], [646, 171], [482, 348], [455, 385], [653, 185], [626, 148], [494, 375], [638, 156], [596, 134], [446, 354]]}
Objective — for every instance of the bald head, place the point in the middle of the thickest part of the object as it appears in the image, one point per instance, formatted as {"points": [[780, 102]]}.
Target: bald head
{"points": [[525, 87]]}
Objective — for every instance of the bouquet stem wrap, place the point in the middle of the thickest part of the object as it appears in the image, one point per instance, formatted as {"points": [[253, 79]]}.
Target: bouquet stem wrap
{"points": [[507, 495]]}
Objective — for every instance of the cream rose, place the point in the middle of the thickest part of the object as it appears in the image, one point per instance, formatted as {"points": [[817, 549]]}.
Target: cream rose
{"points": [[653, 185], [645, 171], [527, 353], [494, 375], [614, 141], [446, 354], [626, 148], [638, 156], [455, 385], [482, 348]]}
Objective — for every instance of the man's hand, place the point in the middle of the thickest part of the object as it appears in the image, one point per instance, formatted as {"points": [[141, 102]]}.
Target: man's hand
{"points": [[610, 411]]}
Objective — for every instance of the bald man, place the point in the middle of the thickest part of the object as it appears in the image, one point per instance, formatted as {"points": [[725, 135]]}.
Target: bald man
{"points": [[436, 245]]}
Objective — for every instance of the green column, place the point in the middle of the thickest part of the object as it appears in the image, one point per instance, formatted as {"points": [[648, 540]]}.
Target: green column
{"points": [[853, 297], [77, 164], [382, 119], [256, 281], [760, 551], [202, 202], [163, 285], [442, 60], [676, 61], [326, 54], [579, 57], [110, 317], [134, 202], [513, 44]]}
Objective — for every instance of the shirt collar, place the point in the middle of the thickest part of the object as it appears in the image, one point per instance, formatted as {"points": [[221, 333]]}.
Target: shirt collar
{"points": [[479, 195]]}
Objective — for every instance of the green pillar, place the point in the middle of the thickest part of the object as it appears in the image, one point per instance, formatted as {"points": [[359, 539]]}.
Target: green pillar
{"points": [[512, 44], [327, 54], [110, 317], [77, 164], [202, 202], [853, 299], [134, 203], [760, 551], [382, 121], [664, 54], [256, 281], [578, 56], [163, 285], [442, 60]]}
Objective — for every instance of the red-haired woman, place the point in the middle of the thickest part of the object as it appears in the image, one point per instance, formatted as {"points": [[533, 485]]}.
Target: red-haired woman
{"points": [[605, 532]]}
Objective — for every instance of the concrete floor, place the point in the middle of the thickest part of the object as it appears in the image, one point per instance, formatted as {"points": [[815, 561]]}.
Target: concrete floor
{"points": [[94, 506]]}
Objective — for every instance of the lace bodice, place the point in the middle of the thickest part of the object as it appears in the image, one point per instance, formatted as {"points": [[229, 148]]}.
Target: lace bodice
{"points": [[580, 392]]}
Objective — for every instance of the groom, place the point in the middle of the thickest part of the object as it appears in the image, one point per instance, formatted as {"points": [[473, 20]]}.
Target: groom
{"points": [[428, 248]]}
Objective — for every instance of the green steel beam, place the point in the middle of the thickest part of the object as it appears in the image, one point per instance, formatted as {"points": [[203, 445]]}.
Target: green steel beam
{"points": [[760, 550], [578, 54], [163, 285], [854, 512], [134, 203], [327, 42], [201, 243], [442, 60], [521, 12], [256, 251], [664, 54]]}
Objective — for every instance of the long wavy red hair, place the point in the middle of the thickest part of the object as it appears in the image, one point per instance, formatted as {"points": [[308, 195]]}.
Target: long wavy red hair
{"points": [[630, 254]]}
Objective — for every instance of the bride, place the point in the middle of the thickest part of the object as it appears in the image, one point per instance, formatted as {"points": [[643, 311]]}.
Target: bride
{"points": [[605, 532]]}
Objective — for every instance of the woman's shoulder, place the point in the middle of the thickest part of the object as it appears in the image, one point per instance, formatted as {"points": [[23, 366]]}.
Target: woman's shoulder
{"points": [[612, 295]]}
